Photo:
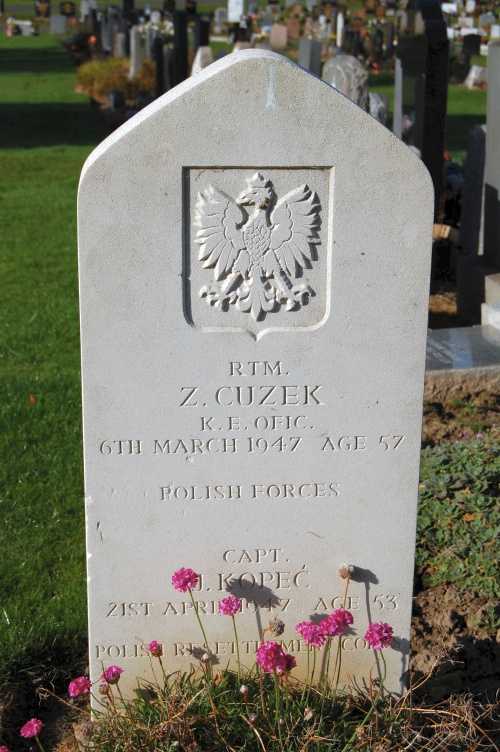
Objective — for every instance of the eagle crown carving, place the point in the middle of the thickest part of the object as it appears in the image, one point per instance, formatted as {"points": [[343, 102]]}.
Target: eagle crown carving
{"points": [[257, 258]]}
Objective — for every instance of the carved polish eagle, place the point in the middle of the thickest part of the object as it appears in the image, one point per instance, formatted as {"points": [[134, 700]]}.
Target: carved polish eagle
{"points": [[257, 255]]}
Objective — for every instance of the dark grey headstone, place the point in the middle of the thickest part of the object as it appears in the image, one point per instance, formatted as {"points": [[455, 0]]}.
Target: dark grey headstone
{"points": [[158, 58], [472, 43], [389, 40], [180, 46], [471, 219], [310, 55], [423, 52]]}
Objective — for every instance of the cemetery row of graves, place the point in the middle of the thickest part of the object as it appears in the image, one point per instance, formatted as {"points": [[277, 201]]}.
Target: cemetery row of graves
{"points": [[129, 56], [44, 625]]}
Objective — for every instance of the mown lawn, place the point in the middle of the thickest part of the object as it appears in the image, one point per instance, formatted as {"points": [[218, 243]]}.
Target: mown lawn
{"points": [[46, 133]]}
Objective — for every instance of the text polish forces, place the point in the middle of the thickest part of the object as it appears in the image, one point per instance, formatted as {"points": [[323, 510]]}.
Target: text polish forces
{"points": [[255, 491]]}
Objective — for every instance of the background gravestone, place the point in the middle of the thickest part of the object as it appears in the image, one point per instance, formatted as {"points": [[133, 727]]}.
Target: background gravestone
{"points": [[254, 414], [57, 24], [478, 276], [348, 75], [423, 54], [310, 51]]}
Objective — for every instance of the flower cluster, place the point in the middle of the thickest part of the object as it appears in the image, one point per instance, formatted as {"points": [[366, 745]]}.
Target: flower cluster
{"points": [[31, 728], [229, 606], [112, 674], [379, 635], [80, 686], [155, 649], [336, 623], [184, 580], [271, 658], [311, 633]]}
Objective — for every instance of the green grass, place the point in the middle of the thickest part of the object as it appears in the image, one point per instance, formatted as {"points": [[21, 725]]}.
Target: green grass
{"points": [[466, 108], [47, 131], [458, 532], [189, 712]]}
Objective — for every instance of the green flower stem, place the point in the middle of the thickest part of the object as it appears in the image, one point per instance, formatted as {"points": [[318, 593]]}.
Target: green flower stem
{"points": [[39, 743], [121, 696], [307, 674], [312, 674], [327, 670], [237, 650], [338, 661], [374, 704], [326, 687], [205, 641], [165, 679], [278, 707]]}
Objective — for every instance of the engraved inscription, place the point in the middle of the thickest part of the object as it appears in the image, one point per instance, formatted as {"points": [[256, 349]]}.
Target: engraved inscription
{"points": [[253, 491], [257, 256]]}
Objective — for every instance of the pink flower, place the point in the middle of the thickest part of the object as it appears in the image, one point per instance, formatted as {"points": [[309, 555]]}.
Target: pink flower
{"points": [[155, 649], [337, 622], [311, 633], [4, 749], [286, 663], [112, 674], [229, 606], [379, 635], [80, 686], [271, 658], [31, 728], [184, 579]]}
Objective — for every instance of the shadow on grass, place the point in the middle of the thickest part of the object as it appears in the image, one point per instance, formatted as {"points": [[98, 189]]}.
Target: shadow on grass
{"points": [[19, 60], [457, 128], [27, 126]]}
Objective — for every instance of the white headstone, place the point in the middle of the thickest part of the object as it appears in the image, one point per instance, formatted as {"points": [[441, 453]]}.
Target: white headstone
{"points": [[235, 9], [135, 52], [220, 19], [340, 29], [203, 58], [84, 10], [252, 412], [470, 6], [477, 76]]}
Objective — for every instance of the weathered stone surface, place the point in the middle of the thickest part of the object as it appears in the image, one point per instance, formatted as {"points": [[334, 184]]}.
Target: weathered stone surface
{"points": [[254, 309], [349, 76]]}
